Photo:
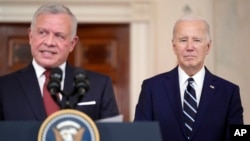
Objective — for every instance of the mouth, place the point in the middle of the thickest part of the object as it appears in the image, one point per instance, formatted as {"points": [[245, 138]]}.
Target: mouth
{"points": [[189, 56], [48, 53]]}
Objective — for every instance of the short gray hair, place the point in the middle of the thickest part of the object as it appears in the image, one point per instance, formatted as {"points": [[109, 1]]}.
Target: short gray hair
{"points": [[194, 18], [55, 8]]}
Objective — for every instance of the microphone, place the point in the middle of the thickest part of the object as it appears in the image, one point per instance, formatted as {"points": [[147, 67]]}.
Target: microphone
{"points": [[81, 83], [54, 85]]}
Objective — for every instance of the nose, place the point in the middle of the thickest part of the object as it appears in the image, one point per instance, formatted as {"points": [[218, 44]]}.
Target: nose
{"points": [[190, 45], [49, 41]]}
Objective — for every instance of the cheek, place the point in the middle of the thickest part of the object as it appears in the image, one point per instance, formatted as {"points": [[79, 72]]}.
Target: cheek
{"points": [[175, 49], [34, 50], [179, 52], [35, 42], [205, 52], [66, 49]]}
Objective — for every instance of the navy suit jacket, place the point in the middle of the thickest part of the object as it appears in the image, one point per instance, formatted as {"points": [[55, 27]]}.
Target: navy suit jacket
{"points": [[220, 106], [21, 99]]}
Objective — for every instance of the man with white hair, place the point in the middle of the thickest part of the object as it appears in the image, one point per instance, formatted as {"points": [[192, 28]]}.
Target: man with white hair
{"points": [[189, 102]]}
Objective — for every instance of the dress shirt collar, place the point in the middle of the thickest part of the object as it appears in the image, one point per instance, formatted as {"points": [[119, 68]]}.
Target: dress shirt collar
{"points": [[198, 77], [40, 70]]}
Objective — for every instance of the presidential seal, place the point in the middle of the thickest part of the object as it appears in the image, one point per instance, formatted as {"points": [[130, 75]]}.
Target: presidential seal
{"points": [[68, 125]]}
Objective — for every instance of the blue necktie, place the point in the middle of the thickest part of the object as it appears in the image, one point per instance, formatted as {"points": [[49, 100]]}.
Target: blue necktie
{"points": [[189, 107]]}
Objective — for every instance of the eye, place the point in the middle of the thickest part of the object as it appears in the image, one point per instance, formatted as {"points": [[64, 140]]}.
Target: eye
{"points": [[58, 35], [197, 40], [183, 40], [42, 32]]}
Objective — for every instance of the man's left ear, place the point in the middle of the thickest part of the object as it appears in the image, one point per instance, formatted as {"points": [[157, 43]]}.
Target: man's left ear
{"points": [[208, 47], [74, 42], [173, 47]]}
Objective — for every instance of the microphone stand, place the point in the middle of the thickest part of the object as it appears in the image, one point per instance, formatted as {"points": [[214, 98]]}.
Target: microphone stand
{"points": [[67, 104]]}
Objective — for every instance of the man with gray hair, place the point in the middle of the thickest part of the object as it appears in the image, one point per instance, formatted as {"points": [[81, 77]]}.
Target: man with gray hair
{"points": [[24, 95], [189, 102]]}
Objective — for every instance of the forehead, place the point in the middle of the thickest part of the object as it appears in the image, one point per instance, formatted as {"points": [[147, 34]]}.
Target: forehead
{"points": [[196, 27], [60, 21]]}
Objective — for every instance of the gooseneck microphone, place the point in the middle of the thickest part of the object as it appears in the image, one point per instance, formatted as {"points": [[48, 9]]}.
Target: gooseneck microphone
{"points": [[81, 83], [80, 88], [54, 85]]}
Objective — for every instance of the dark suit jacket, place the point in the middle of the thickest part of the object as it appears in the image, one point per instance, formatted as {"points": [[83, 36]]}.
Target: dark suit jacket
{"points": [[21, 100], [219, 106]]}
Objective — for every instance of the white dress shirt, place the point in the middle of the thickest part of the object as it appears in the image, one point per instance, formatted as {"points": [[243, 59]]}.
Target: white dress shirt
{"points": [[198, 83], [41, 77]]}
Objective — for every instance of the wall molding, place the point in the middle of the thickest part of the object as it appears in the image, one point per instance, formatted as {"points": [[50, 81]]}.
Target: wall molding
{"points": [[86, 10]]}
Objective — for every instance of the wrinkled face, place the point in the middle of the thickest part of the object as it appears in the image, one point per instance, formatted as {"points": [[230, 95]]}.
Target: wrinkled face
{"points": [[191, 45], [51, 40]]}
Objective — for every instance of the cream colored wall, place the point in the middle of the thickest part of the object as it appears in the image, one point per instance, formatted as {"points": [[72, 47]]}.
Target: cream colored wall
{"points": [[232, 49]]}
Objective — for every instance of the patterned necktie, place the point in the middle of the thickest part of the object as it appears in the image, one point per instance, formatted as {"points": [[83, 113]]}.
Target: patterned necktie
{"points": [[50, 105], [189, 106]]}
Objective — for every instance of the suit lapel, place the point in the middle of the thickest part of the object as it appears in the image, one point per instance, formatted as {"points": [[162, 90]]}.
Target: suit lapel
{"points": [[29, 83], [208, 92], [68, 83], [173, 91], [69, 77]]}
